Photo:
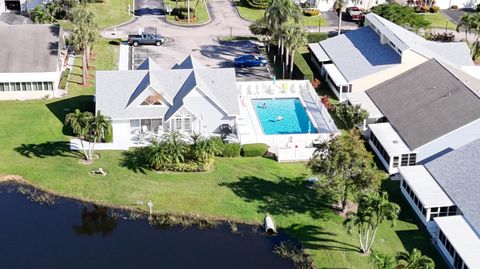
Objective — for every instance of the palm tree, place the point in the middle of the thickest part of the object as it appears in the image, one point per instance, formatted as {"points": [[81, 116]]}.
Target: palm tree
{"points": [[382, 261], [80, 124], [467, 21], [373, 210], [280, 12], [156, 155], [83, 36], [295, 38], [175, 147], [414, 260], [99, 126], [339, 6]]}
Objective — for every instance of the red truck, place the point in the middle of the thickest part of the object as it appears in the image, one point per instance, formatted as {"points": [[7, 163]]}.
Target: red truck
{"points": [[354, 13]]}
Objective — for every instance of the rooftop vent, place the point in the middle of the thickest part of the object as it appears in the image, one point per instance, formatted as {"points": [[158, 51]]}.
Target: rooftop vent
{"points": [[395, 141]]}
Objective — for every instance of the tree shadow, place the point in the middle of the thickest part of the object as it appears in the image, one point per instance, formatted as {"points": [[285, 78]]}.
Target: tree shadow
{"points": [[283, 197], [95, 220], [314, 237], [135, 160], [64, 106], [47, 149]]}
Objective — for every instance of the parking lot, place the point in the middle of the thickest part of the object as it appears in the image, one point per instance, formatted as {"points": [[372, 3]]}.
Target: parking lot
{"points": [[217, 54]]}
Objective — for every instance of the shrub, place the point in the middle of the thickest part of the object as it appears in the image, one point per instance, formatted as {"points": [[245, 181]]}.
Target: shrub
{"points": [[64, 79], [231, 150], [188, 166], [478, 7], [254, 150], [258, 4], [424, 9], [310, 12], [218, 144], [301, 69], [435, 9], [454, 7], [109, 134]]}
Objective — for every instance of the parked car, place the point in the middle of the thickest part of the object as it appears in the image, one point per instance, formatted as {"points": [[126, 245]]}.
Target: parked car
{"points": [[354, 13], [145, 39], [249, 60]]}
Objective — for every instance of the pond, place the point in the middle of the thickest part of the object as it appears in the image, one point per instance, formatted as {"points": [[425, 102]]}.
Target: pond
{"points": [[71, 234]]}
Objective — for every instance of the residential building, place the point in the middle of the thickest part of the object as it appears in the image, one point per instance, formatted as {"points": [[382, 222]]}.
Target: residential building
{"points": [[327, 5], [191, 98], [443, 4], [31, 61], [427, 112], [358, 60], [443, 193]]}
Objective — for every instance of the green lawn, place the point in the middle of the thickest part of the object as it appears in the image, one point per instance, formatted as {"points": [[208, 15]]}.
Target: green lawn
{"points": [[245, 189], [201, 12], [438, 20], [107, 13], [255, 14]]}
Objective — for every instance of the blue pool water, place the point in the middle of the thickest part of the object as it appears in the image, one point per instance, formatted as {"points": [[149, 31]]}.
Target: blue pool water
{"points": [[294, 117]]}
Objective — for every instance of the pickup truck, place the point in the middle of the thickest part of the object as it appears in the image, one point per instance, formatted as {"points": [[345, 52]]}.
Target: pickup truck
{"points": [[145, 39], [354, 13]]}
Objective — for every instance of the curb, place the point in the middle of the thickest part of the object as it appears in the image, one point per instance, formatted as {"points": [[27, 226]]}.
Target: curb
{"points": [[207, 6], [238, 12]]}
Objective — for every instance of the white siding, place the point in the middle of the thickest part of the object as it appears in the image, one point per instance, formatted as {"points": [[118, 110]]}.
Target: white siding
{"points": [[208, 112], [451, 141]]}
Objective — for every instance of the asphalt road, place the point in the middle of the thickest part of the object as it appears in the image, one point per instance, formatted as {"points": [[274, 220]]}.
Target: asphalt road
{"points": [[200, 41]]}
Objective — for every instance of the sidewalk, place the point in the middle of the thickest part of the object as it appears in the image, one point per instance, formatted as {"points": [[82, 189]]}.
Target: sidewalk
{"points": [[123, 58]]}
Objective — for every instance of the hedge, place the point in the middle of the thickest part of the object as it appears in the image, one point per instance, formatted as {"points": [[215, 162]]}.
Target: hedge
{"points": [[301, 69], [311, 12], [109, 134], [254, 150], [231, 150], [258, 4], [316, 37]]}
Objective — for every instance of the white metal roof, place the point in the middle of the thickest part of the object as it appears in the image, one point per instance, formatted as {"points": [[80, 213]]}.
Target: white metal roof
{"points": [[362, 99], [425, 186], [462, 237], [389, 138], [318, 51], [473, 71], [335, 74]]}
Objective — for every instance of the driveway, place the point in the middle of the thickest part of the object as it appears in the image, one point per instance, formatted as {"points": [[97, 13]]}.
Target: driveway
{"points": [[149, 7], [455, 15], [200, 41], [332, 18]]}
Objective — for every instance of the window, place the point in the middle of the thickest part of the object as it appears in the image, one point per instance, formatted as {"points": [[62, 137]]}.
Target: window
{"points": [[23, 86], [413, 159], [395, 161], [17, 86], [404, 160], [187, 125], [48, 86], [178, 124], [29, 86], [391, 44], [2, 87]]}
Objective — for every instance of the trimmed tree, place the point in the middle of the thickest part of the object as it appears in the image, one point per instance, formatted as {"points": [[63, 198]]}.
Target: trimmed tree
{"points": [[382, 261], [373, 210], [401, 15], [80, 124], [295, 37], [350, 116], [346, 168], [339, 6]]}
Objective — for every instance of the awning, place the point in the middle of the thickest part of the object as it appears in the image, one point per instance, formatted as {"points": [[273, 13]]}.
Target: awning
{"points": [[319, 53], [362, 99], [425, 186], [389, 138], [335, 75]]}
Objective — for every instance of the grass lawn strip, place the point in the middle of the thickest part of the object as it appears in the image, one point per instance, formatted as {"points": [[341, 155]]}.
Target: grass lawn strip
{"points": [[201, 12]]}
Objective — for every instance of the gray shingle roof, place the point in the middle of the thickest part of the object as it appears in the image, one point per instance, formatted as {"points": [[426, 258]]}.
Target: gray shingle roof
{"points": [[455, 53], [29, 48], [425, 103], [458, 173], [120, 93], [359, 53]]}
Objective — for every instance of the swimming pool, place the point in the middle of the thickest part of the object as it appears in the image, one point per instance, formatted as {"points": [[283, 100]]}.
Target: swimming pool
{"points": [[283, 116]]}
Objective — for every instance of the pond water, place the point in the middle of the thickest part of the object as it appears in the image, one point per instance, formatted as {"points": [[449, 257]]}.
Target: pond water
{"points": [[72, 235]]}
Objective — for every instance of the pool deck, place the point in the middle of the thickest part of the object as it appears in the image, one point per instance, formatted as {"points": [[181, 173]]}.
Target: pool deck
{"points": [[287, 147]]}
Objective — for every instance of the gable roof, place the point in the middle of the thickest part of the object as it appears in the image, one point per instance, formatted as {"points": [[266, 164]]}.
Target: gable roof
{"points": [[455, 53], [359, 53], [458, 173], [29, 48], [425, 103], [120, 93]]}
